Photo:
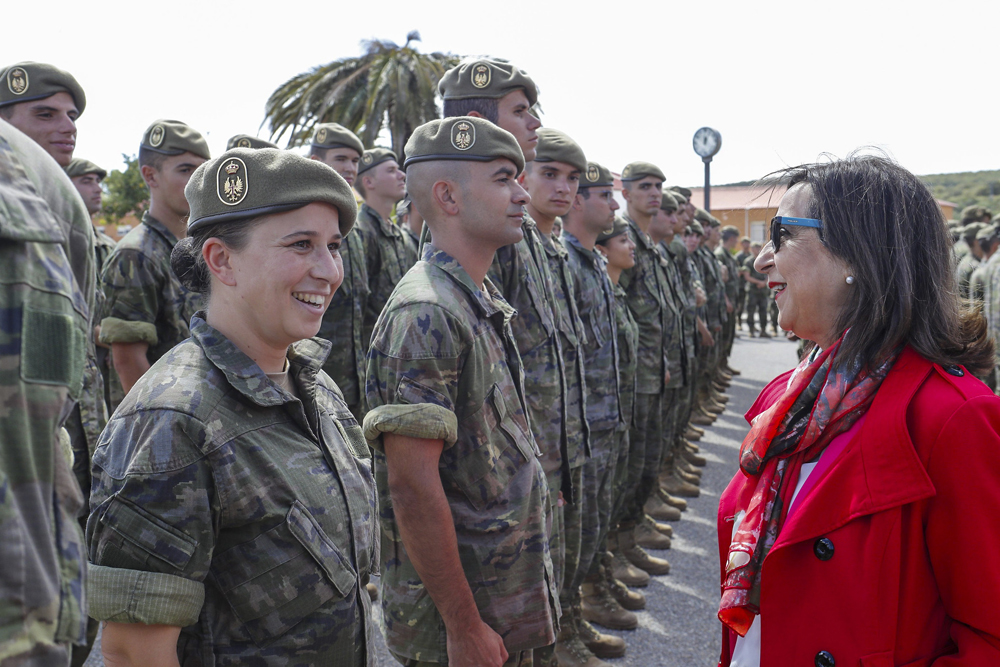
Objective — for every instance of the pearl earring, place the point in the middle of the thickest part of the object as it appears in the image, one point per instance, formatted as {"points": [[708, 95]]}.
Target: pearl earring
{"points": [[850, 280]]}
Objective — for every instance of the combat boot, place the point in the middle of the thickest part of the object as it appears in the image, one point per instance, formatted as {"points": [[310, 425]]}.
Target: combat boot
{"points": [[675, 486], [718, 396], [626, 597], [691, 455], [698, 431], [659, 510], [702, 418], [676, 503], [570, 649], [648, 537], [664, 528], [680, 463], [622, 569], [601, 645], [687, 477], [638, 556], [713, 408], [600, 606], [693, 433], [731, 370]]}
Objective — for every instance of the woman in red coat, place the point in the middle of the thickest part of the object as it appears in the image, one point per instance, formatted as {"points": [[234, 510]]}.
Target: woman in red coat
{"points": [[863, 528]]}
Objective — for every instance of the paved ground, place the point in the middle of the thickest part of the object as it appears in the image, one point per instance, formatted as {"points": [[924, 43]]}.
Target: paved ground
{"points": [[678, 628]]}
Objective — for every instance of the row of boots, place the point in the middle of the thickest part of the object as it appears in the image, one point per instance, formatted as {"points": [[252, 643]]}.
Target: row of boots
{"points": [[609, 599]]}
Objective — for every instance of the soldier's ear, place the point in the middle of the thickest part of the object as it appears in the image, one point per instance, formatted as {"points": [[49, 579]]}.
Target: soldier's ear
{"points": [[218, 256], [447, 197]]}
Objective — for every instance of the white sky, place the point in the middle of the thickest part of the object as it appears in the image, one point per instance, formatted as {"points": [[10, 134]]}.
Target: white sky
{"points": [[782, 81]]}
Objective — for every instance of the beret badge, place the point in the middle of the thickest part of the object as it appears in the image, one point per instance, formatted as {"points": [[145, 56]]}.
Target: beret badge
{"points": [[232, 181], [156, 136], [463, 135], [321, 135], [481, 75], [592, 173], [17, 81], [243, 143], [367, 158]]}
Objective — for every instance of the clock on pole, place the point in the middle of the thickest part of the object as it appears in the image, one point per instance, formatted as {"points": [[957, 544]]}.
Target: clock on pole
{"points": [[707, 143]]}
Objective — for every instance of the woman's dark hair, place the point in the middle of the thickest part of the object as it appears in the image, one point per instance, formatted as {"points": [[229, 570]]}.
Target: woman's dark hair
{"points": [[885, 224], [186, 259]]}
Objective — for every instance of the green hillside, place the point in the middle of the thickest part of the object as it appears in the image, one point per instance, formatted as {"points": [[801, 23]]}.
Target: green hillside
{"points": [[967, 188]]}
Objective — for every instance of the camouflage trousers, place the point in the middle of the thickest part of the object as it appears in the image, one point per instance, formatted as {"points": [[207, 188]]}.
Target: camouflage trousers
{"points": [[672, 401], [618, 489], [645, 449], [756, 305], [595, 506], [519, 659], [572, 533], [557, 546], [685, 403]]}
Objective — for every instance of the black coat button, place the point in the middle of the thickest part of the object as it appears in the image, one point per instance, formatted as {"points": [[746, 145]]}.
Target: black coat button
{"points": [[824, 551], [955, 370], [825, 659]]}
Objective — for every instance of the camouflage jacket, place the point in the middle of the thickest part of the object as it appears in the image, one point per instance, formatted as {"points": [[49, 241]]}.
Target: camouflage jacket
{"points": [[387, 259], [46, 293], [412, 245], [749, 270], [595, 300], [732, 283], [229, 507], [104, 245], [523, 277], [443, 365], [648, 299], [715, 308], [343, 324], [991, 297], [977, 283], [963, 272], [628, 348], [682, 285], [741, 258], [572, 338], [143, 300]]}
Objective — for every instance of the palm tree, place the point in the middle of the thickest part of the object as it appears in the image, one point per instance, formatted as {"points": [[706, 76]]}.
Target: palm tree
{"points": [[387, 85]]}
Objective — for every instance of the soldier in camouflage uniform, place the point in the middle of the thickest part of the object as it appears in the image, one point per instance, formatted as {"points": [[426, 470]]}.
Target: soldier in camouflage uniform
{"points": [[409, 221], [46, 295], [659, 323], [715, 310], [466, 572], [724, 253], [146, 309], [969, 263], [981, 291], [758, 293], [741, 296], [387, 254], [591, 215], [233, 515], [343, 323]]}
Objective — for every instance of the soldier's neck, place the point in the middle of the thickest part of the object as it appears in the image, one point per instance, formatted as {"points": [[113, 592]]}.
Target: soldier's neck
{"points": [[641, 220], [614, 273], [177, 224], [382, 205], [544, 222]]}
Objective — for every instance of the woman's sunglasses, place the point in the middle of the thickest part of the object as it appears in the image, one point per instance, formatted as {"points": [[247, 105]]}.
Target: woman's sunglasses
{"points": [[779, 221]]}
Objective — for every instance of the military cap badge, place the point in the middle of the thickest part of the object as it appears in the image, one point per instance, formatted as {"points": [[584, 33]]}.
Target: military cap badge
{"points": [[321, 136], [17, 81], [233, 185], [156, 136], [627, 171], [463, 135], [481, 75], [367, 158], [243, 143], [592, 173]]}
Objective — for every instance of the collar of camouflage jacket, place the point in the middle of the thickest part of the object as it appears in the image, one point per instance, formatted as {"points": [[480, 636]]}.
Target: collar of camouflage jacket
{"points": [[489, 306], [305, 359], [644, 238], [384, 226], [570, 240], [159, 228]]}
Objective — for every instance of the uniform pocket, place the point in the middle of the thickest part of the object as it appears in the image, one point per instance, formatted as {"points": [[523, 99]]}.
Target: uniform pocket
{"points": [[53, 349], [153, 536], [496, 450], [283, 575]]}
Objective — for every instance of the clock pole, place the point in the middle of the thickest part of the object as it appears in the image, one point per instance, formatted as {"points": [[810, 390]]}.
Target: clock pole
{"points": [[708, 182]]}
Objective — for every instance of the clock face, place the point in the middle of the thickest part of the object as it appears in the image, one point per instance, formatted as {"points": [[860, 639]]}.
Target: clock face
{"points": [[707, 142]]}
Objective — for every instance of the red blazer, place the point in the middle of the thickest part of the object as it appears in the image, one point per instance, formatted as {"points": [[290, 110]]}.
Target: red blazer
{"points": [[894, 556]]}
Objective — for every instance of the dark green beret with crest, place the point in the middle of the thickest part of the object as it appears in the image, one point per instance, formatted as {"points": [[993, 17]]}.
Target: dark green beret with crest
{"points": [[248, 141], [619, 228], [335, 135], [27, 81], [682, 190], [485, 78], [172, 137], [245, 183], [669, 202], [635, 171], [556, 146], [374, 157], [463, 138], [596, 176]]}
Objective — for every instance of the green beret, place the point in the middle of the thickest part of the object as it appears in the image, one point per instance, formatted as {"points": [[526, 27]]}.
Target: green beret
{"points": [[335, 135], [556, 146], [29, 81], [634, 171], [248, 141], [975, 214], [706, 218], [79, 167], [374, 157], [970, 230], [596, 176], [485, 78], [684, 191], [245, 183], [668, 203], [463, 138], [678, 197], [619, 228], [172, 137], [697, 228]]}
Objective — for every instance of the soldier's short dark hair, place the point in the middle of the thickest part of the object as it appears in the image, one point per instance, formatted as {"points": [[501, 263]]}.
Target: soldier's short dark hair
{"points": [[318, 152], [487, 107], [148, 158]]}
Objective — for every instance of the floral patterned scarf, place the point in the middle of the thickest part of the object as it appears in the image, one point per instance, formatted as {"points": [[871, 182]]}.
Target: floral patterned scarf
{"points": [[826, 395]]}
